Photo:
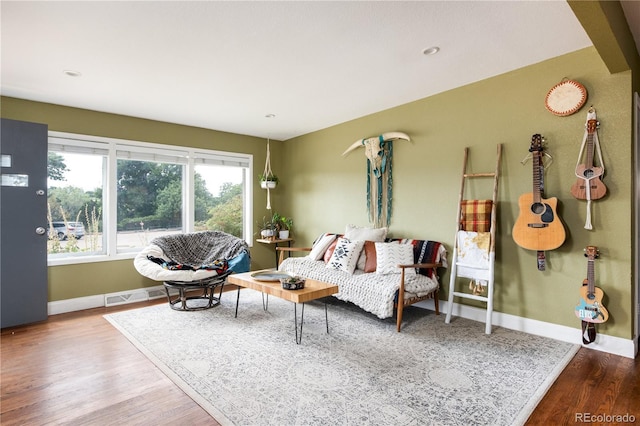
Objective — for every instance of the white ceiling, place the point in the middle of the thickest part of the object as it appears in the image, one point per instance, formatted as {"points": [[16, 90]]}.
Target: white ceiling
{"points": [[225, 65]]}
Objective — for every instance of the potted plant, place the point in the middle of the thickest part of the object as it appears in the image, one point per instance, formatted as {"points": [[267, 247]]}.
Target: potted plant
{"points": [[282, 225], [268, 181], [292, 283], [275, 220], [267, 229], [286, 225]]}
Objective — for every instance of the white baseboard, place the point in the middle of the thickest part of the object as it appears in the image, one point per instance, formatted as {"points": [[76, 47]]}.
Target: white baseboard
{"points": [[76, 304], [605, 343], [99, 300]]}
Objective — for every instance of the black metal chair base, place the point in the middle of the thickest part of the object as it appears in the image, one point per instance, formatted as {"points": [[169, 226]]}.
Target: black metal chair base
{"points": [[195, 302]]}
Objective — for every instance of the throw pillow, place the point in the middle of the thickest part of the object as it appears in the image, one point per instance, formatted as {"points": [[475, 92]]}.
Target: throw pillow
{"points": [[329, 252], [367, 259], [370, 254], [354, 233], [425, 251], [390, 255], [320, 246], [345, 256]]}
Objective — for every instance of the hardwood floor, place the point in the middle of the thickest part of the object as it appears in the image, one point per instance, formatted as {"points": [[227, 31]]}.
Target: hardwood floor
{"points": [[594, 385], [77, 369]]}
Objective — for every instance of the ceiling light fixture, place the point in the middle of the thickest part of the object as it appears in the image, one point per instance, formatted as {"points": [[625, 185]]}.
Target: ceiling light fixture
{"points": [[270, 116], [72, 73], [431, 50]]}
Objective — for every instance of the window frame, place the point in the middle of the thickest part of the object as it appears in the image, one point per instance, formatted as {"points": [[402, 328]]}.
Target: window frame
{"points": [[189, 157]]}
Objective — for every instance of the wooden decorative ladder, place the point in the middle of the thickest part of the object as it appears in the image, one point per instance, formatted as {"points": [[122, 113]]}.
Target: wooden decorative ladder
{"points": [[455, 263]]}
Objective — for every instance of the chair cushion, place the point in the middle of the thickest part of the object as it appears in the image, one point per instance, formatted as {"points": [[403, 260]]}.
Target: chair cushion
{"points": [[195, 249], [156, 272]]}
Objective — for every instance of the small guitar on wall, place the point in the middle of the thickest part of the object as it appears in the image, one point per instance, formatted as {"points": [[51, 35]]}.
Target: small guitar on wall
{"points": [[590, 308], [538, 226], [589, 185]]}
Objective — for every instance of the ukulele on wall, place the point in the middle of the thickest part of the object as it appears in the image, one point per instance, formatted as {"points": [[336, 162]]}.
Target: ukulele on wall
{"points": [[589, 185], [538, 226], [590, 308]]}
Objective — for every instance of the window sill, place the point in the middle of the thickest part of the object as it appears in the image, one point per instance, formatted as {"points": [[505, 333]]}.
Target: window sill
{"points": [[72, 260]]}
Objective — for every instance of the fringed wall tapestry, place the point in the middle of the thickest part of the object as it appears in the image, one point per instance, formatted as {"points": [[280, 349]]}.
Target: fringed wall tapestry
{"points": [[379, 153]]}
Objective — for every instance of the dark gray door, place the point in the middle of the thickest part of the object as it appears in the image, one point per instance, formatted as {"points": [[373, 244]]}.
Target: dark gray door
{"points": [[23, 223]]}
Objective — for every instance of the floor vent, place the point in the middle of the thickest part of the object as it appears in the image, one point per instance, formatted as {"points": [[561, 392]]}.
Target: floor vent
{"points": [[132, 296], [156, 293], [115, 299]]}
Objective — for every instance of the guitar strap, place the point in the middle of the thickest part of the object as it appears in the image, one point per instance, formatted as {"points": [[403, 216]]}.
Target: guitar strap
{"points": [[541, 256], [542, 260], [591, 115], [588, 332]]}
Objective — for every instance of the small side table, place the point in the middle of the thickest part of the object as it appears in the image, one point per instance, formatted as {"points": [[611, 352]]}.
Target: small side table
{"points": [[275, 241]]}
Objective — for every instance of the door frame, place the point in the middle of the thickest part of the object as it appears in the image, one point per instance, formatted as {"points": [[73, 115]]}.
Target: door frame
{"points": [[636, 261]]}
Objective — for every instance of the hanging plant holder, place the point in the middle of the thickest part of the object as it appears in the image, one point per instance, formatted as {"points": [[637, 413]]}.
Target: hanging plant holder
{"points": [[268, 184], [268, 180]]}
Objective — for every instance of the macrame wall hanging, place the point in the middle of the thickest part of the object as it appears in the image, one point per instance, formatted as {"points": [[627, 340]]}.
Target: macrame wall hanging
{"points": [[379, 153]]}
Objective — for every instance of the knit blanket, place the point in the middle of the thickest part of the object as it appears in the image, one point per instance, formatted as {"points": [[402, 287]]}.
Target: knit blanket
{"points": [[372, 292], [200, 248]]}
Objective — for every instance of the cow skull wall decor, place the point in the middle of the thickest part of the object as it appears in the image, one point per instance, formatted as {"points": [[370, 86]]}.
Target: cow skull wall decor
{"points": [[379, 153]]}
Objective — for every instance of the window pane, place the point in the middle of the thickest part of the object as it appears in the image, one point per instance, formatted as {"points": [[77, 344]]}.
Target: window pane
{"points": [[149, 203], [219, 199], [75, 200]]}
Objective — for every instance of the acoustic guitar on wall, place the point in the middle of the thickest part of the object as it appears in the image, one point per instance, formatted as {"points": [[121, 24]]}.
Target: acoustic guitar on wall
{"points": [[538, 226], [591, 308], [589, 185]]}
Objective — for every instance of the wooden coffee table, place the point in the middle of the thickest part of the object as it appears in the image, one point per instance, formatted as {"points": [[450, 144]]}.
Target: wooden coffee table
{"points": [[312, 290]]}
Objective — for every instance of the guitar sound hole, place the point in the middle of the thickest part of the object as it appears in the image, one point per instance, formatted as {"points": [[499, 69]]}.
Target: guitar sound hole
{"points": [[591, 296], [588, 173], [537, 208]]}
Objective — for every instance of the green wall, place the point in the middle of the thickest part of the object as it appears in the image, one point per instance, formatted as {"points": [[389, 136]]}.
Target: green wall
{"points": [[71, 281], [327, 191]]}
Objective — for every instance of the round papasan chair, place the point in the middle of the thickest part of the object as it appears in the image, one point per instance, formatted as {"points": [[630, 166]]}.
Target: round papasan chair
{"points": [[193, 265]]}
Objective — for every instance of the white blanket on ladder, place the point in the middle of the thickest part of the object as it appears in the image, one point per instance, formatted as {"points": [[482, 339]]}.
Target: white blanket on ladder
{"points": [[473, 255]]}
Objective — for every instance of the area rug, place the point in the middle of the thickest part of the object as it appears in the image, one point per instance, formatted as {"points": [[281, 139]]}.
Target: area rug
{"points": [[250, 371]]}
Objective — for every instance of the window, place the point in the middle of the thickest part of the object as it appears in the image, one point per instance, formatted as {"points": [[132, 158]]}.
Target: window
{"points": [[150, 194], [75, 199], [219, 194], [109, 198]]}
